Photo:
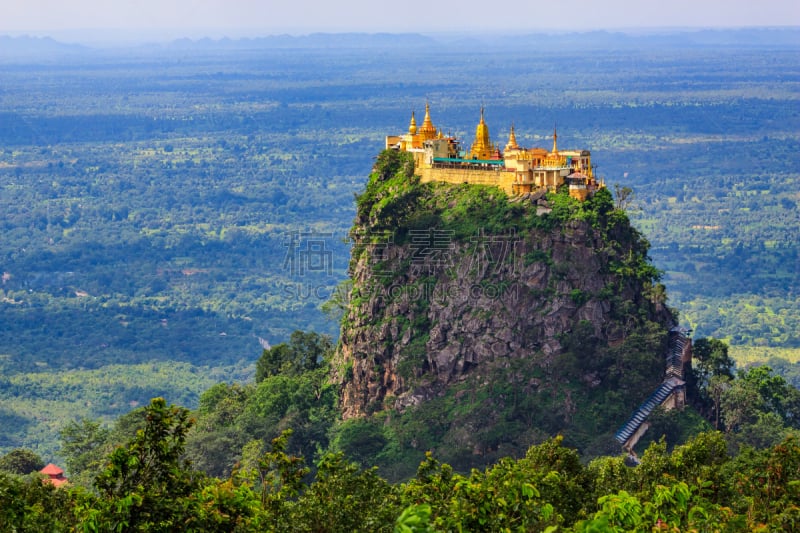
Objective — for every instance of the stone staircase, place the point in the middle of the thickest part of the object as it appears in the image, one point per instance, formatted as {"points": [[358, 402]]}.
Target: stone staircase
{"points": [[640, 415], [673, 382], [674, 357]]}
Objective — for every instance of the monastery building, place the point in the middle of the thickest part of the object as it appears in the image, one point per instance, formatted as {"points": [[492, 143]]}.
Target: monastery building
{"points": [[514, 170]]}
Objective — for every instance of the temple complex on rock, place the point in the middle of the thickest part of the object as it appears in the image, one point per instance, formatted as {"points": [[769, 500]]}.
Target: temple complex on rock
{"points": [[513, 169]]}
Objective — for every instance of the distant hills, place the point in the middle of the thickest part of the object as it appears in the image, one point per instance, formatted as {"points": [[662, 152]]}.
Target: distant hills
{"points": [[28, 46]]}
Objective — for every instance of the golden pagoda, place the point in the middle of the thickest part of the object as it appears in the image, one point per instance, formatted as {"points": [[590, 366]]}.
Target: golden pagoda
{"points": [[412, 127], [482, 146], [428, 130], [512, 141]]}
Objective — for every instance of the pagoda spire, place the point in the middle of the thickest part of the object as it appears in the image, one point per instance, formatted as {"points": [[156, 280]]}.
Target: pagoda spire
{"points": [[412, 127], [555, 140], [482, 147], [428, 130], [512, 140]]}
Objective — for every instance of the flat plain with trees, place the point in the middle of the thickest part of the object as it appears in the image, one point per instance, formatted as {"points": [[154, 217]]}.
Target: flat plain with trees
{"points": [[149, 198]]}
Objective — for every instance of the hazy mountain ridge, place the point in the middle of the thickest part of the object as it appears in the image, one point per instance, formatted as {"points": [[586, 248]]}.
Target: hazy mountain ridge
{"points": [[31, 46], [27, 46]]}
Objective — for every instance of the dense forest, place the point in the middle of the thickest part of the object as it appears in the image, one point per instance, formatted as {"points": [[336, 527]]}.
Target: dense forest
{"points": [[162, 468], [153, 201]]}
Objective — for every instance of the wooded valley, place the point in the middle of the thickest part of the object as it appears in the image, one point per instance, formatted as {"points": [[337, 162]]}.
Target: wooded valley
{"points": [[151, 199]]}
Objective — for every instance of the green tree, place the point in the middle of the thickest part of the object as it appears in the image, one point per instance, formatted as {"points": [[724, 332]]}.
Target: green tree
{"points": [[559, 476], [147, 482], [610, 475], [29, 506], [21, 461], [500, 499], [778, 395], [759, 407], [766, 486], [343, 497], [717, 386], [231, 416], [360, 439], [84, 444], [305, 351], [216, 438], [280, 480], [433, 485], [624, 196], [712, 359], [414, 519]]}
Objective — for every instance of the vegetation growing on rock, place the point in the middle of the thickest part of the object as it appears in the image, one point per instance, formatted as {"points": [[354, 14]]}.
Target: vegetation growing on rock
{"points": [[479, 324]]}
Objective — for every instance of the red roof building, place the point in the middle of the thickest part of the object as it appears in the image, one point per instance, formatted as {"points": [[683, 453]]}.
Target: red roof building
{"points": [[54, 474]]}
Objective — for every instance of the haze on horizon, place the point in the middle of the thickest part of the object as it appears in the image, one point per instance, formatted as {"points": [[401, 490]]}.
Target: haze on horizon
{"points": [[82, 20]]}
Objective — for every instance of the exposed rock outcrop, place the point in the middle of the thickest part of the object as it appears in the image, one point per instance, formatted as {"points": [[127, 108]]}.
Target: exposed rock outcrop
{"points": [[440, 293]]}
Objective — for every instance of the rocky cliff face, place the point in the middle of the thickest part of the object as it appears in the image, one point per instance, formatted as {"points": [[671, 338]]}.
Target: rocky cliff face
{"points": [[450, 282]]}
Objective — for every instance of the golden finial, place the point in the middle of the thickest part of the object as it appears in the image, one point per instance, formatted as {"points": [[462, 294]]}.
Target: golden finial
{"points": [[412, 128]]}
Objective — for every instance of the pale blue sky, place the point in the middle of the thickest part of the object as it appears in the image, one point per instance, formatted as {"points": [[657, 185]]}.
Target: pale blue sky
{"points": [[216, 18]]}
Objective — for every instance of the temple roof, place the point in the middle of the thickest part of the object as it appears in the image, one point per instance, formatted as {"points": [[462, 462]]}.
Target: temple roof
{"points": [[51, 470]]}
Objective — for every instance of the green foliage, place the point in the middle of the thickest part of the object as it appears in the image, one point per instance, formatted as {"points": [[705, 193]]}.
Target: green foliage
{"points": [[766, 485], [414, 519], [537, 256], [280, 479], [778, 396], [147, 487], [21, 461], [304, 352], [27, 505], [146, 483], [345, 498], [675, 426], [294, 393], [391, 194], [712, 360], [117, 196], [84, 445], [759, 408], [359, 438], [214, 444], [499, 499], [304, 402], [505, 497]]}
